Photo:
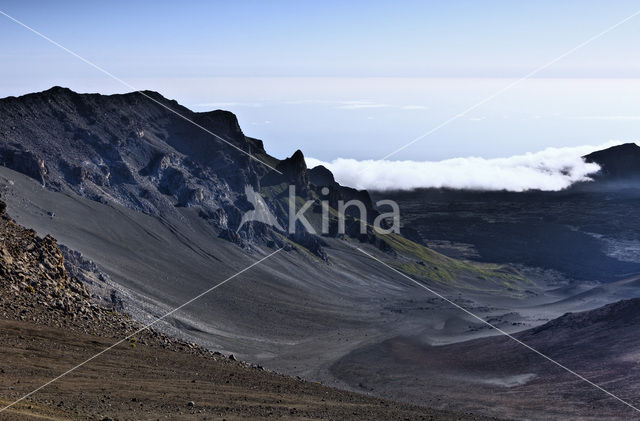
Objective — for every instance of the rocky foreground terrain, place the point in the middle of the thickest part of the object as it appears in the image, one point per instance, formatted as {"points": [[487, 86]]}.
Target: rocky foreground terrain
{"points": [[49, 323]]}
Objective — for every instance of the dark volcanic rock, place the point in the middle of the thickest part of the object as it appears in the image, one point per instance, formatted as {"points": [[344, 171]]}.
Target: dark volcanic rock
{"points": [[138, 151], [618, 162], [128, 149], [294, 169], [34, 268], [321, 177]]}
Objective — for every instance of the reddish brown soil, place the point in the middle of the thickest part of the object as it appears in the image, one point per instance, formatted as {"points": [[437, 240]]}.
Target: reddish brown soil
{"points": [[147, 382]]}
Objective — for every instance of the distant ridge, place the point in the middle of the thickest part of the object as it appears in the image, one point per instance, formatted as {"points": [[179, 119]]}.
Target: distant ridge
{"points": [[618, 162]]}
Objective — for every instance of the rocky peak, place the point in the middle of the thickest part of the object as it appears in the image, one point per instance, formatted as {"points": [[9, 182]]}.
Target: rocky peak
{"points": [[320, 176], [294, 164], [617, 162], [294, 170], [221, 122], [58, 90]]}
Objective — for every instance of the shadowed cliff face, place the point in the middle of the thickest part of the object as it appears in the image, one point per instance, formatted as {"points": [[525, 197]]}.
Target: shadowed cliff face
{"points": [[130, 150]]}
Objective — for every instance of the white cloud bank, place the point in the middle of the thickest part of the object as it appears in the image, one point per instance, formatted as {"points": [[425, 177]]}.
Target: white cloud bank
{"points": [[551, 169]]}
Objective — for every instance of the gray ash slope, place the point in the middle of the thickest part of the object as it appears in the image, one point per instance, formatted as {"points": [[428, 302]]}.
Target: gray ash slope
{"points": [[602, 345], [155, 204]]}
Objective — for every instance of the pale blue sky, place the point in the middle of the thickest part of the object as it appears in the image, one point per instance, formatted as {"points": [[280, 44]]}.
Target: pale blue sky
{"points": [[355, 80]]}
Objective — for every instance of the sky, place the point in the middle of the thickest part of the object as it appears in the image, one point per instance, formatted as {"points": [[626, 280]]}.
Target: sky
{"points": [[355, 80]]}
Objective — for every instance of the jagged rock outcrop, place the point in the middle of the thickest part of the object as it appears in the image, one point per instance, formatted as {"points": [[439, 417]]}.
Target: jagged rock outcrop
{"points": [[33, 268], [137, 152], [127, 149], [320, 176], [294, 170]]}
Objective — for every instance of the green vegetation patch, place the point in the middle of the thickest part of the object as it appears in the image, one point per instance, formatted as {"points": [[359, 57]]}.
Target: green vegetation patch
{"points": [[425, 264]]}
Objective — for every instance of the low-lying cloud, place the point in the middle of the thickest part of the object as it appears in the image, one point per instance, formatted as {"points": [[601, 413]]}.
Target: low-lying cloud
{"points": [[551, 169]]}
